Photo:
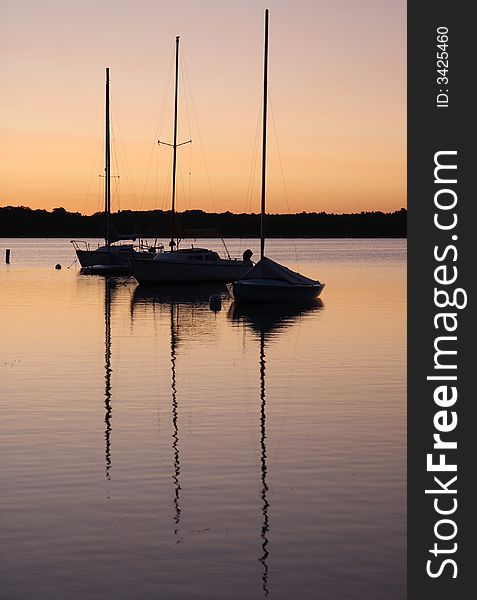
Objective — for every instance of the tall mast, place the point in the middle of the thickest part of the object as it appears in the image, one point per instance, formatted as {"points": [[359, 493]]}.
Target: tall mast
{"points": [[107, 169], [174, 145], [174, 158], [264, 142]]}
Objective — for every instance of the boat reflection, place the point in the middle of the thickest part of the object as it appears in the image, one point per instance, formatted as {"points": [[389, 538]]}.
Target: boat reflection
{"points": [[107, 375], [270, 319], [175, 421], [188, 311], [263, 468], [110, 286], [267, 321], [197, 294], [191, 296]]}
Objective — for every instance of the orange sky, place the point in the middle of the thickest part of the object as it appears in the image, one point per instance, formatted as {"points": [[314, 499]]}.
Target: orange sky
{"points": [[337, 89]]}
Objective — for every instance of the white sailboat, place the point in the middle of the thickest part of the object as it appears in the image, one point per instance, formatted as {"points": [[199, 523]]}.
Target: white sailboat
{"points": [[190, 265], [269, 281], [110, 258]]}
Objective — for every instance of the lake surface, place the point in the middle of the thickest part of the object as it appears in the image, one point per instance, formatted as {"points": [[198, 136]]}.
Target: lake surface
{"points": [[154, 448]]}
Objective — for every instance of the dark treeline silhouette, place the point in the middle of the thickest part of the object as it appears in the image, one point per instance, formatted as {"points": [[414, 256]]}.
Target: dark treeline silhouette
{"points": [[21, 221]]}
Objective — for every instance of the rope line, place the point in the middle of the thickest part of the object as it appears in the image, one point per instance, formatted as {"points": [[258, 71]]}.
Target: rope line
{"points": [[253, 166], [283, 175], [129, 178], [199, 136], [93, 169], [157, 133]]}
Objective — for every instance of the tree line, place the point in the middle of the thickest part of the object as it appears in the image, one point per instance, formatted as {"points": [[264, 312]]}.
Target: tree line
{"points": [[21, 221]]}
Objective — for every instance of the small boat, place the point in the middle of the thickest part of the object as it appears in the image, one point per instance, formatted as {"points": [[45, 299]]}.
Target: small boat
{"points": [[269, 281], [110, 258], [192, 265], [188, 265]]}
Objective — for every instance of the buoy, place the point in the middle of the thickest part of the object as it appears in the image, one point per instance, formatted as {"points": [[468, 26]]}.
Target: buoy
{"points": [[247, 255], [215, 302], [58, 266]]}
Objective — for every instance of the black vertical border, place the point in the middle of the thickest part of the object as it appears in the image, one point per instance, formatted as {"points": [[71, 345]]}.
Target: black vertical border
{"points": [[431, 129]]}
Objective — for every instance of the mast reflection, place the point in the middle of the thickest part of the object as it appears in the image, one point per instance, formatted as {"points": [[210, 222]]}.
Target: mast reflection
{"points": [[267, 321], [188, 311], [175, 426], [107, 375], [263, 468], [190, 296]]}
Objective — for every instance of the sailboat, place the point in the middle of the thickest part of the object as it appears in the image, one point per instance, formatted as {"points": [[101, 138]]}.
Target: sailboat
{"points": [[269, 281], [111, 258], [189, 265]]}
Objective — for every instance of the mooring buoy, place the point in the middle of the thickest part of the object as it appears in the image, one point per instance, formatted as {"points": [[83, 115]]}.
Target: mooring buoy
{"points": [[215, 302]]}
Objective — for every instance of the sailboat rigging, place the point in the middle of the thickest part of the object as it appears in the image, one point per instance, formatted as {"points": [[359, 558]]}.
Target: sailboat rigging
{"points": [[191, 265], [175, 145], [111, 258], [269, 281]]}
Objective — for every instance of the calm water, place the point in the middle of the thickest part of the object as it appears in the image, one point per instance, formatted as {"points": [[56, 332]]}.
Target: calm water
{"points": [[153, 448]]}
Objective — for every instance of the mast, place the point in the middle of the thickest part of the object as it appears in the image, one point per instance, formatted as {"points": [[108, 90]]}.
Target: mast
{"points": [[174, 158], [174, 145], [107, 168], [264, 141]]}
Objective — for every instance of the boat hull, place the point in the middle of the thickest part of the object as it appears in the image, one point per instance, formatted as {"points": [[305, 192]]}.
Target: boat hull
{"points": [[247, 291], [90, 258], [167, 271], [119, 269]]}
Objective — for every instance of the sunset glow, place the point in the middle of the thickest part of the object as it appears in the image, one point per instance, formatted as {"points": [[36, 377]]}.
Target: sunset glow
{"points": [[337, 91]]}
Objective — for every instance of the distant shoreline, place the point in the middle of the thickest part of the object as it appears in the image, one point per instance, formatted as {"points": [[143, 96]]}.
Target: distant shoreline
{"points": [[23, 222]]}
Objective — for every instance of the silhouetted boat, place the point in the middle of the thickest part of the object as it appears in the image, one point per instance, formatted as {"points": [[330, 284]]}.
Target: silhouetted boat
{"points": [[191, 265], [268, 281], [111, 258]]}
